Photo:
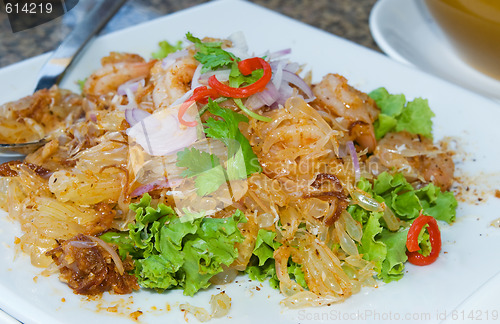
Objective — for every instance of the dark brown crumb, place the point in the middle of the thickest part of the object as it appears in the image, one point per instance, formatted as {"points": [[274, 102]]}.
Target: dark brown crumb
{"points": [[88, 268]]}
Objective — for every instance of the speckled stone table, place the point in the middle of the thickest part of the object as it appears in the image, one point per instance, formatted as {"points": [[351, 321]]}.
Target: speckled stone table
{"points": [[345, 18]]}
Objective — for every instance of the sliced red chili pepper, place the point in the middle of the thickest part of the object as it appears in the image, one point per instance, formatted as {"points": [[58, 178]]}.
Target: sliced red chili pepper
{"points": [[246, 67], [200, 94], [412, 240]]}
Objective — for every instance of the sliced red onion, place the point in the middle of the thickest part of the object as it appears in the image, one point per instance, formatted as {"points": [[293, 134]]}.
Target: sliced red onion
{"points": [[240, 47], [277, 73], [343, 151], [254, 102], [111, 251], [116, 100], [355, 160], [299, 83], [292, 67], [161, 133], [183, 98], [221, 75], [288, 66], [195, 81], [280, 53], [82, 244], [285, 91], [172, 57], [158, 184], [135, 115], [266, 97], [93, 116], [131, 85], [269, 95]]}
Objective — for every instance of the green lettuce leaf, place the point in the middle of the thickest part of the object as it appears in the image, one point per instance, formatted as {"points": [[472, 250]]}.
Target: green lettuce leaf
{"points": [[385, 248], [407, 202], [123, 241], [416, 118], [81, 84], [371, 247], [262, 265], [393, 264], [440, 205], [398, 115], [165, 49], [295, 272], [390, 105], [169, 253], [263, 272], [383, 125], [265, 245], [236, 78]]}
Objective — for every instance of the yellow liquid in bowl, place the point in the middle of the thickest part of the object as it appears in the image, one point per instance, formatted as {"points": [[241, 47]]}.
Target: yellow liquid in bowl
{"points": [[473, 26]]}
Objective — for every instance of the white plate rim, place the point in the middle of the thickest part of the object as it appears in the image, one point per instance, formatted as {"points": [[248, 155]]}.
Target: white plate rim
{"points": [[357, 74]]}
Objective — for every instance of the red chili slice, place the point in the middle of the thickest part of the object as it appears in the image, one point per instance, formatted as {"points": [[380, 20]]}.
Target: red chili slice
{"points": [[200, 94], [412, 240], [246, 67]]}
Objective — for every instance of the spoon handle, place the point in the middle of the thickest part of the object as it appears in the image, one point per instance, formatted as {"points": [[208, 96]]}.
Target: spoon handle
{"points": [[53, 70]]}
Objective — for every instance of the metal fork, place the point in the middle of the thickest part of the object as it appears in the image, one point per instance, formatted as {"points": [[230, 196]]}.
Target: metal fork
{"points": [[60, 60]]}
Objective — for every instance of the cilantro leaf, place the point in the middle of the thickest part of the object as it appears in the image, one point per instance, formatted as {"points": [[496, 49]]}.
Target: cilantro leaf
{"points": [[196, 161], [209, 181], [211, 54], [206, 167], [165, 49], [226, 130], [236, 78]]}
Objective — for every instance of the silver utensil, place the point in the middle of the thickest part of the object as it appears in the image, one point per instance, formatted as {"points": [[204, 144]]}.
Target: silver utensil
{"points": [[60, 60]]}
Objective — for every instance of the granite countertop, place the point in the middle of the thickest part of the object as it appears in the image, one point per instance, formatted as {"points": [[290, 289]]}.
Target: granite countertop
{"points": [[345, 18]]}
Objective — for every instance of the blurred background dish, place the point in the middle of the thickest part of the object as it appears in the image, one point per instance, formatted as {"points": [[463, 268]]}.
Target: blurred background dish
{"points": [[406, 31], [473, 28]]}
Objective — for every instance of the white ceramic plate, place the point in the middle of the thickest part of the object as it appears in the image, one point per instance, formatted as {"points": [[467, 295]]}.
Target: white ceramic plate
{"points": [[405, 30], [471, 256]]}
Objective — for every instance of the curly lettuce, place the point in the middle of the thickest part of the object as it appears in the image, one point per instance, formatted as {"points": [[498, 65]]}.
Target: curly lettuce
{"points": [[169, 253], [262, 265], [396, 114], [387, 249]]}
